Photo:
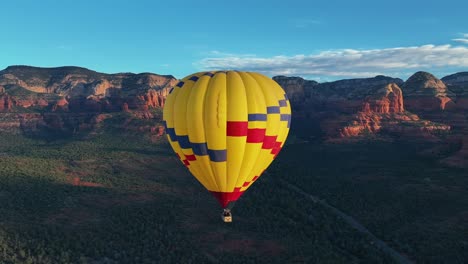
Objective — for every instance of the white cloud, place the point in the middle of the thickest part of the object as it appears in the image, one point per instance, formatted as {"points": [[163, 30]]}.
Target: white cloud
{"points": [[462, 40], [346, 62]]}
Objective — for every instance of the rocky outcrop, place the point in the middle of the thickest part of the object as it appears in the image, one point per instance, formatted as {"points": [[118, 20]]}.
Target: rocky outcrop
{"points": [[297, 89], [381, 109], [344, 108], [349, 95], [12, 122], [356, 107], [458, 84], [63, 101], [36, 85], [31, 102], [99, 88], [384, 100], [400, 125], [60, 105], [155, 98], [442, 101], [425, 93], [6, 102], [78, 89]]}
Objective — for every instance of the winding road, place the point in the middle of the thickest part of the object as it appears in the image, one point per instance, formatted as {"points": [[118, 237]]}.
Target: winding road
{"points": [[352, 222]]}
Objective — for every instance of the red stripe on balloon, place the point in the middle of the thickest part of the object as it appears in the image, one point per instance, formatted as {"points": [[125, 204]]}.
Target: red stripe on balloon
{"points": [[256, 135], [237, 128], [275, 151], [190, 157], [278, 144], [269, 142], [276, 148], [224, 198]]}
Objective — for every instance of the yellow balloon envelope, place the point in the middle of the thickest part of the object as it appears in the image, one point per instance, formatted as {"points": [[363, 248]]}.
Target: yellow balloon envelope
{"points": [[227, 127]]}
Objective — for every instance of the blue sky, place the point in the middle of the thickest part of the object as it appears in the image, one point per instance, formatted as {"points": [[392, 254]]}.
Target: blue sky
{"points": [[321, 40]]}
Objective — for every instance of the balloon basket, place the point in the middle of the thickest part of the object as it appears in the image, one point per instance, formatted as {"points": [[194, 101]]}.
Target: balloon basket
{"points": [[226, 216]]}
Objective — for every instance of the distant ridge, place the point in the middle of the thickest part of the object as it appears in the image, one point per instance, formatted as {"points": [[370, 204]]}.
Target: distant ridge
{"points": [[16, 68]]}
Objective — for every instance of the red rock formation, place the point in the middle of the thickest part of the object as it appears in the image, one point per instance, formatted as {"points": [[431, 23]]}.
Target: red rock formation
{"points": [[158, 130], [99, 88], [363, 122], [403, 124], [458, 84], [41, 102], [76, 83], [143, 115], [297, 89], [61, 104], [342, 108], [6, 102], [154, 98], [350, 108], [25, 103], [384, 104], [31, 102], [425, 93], [388, 99]]}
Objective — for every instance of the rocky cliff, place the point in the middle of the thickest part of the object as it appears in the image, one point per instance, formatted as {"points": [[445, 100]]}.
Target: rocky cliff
{"points": [[345, 108], [297, 89], [356, 107], [458, 84], [88, 90], [444, 100], [425, 93], [67, 100]]}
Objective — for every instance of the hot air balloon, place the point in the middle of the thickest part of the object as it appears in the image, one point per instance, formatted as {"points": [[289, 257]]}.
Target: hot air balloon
{"points": [[227, 127]]}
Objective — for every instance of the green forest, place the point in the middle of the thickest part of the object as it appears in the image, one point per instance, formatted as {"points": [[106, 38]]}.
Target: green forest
{"points": [[118, 197]]}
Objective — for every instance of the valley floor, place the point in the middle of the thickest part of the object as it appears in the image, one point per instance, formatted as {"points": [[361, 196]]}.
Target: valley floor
{"points": [[118, 198]]}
